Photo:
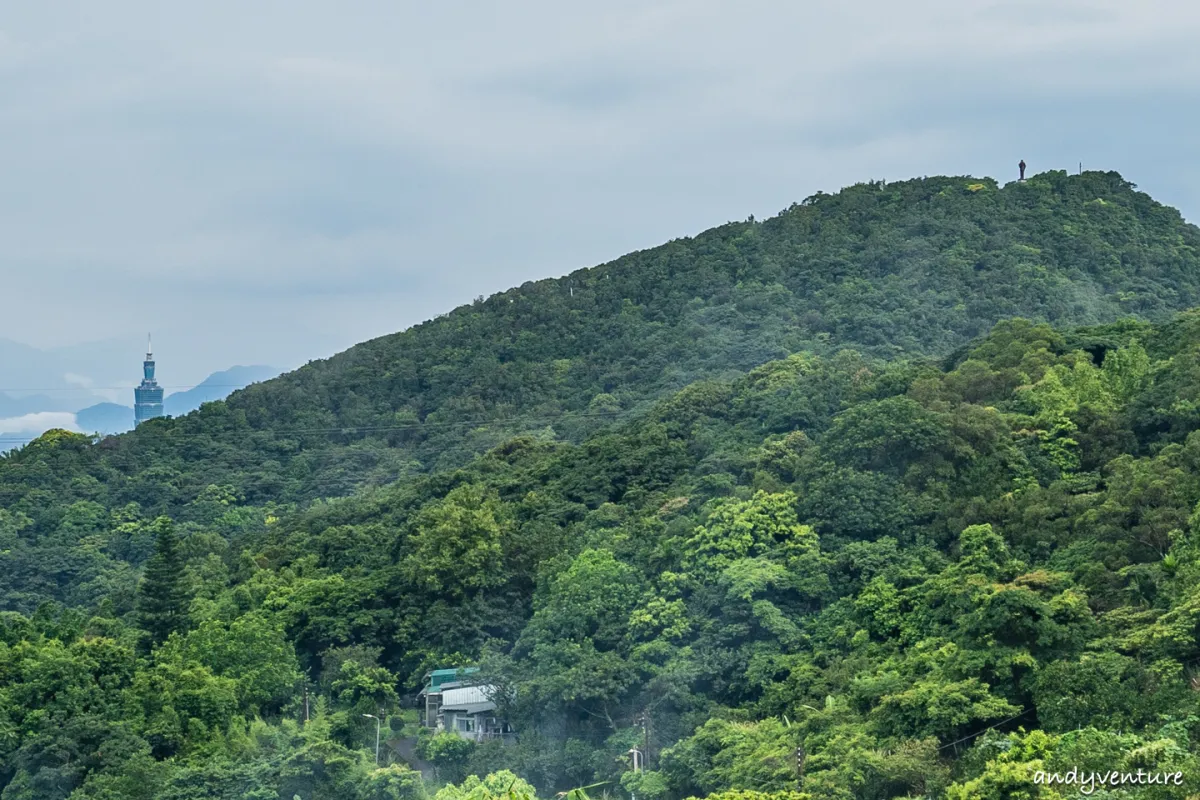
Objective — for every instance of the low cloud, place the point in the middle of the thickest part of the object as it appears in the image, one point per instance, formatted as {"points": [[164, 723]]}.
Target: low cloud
{"points": [[109, 393], [39, 423]]}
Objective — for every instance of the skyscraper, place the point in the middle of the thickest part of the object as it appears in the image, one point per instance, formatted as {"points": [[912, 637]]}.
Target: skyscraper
{"points": [[148, 397]]}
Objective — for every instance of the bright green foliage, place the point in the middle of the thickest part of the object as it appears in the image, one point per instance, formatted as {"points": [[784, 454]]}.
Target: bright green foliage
{"points": [[1012, 763], [1009, 774], [737, 755], [179, 705], [251, 648], [647, 783], [502, 785], [765, 531], [367, 690], [859, 574], [456, 543], [447, 752], [394, 782]]}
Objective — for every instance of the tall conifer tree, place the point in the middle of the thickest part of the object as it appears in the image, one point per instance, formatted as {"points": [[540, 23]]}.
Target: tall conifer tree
{"points": [[162, 596]]}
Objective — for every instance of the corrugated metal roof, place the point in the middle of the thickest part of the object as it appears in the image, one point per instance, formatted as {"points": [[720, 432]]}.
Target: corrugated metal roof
{"points": [[466, 694], [469, 708]]}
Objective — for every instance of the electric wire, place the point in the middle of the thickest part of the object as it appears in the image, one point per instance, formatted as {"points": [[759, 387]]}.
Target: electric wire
{"points": [[350, 430], [129, 387]]}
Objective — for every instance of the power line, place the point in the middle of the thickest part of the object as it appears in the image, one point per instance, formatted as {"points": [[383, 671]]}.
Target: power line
{"points": [[355, 429], [130, 387], [985, 730]]}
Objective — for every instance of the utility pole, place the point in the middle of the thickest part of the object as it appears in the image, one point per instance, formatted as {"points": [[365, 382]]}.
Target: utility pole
{"points": [[645, 737], [306, 701], [377, 724]]}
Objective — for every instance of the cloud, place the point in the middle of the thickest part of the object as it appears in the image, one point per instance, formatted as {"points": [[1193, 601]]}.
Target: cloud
{"points": [[109, 393], [269, 183], [37, 424]]}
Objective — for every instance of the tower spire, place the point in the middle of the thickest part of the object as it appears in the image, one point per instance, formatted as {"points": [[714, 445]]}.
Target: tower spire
{"points": [[148, 396]]}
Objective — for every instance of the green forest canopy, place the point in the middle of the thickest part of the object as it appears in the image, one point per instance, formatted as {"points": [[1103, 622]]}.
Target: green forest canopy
{"points": [[870, 560], [893, 270], [848, 572]]}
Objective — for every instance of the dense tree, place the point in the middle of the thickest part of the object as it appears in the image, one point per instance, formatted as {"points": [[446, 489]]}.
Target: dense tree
{"points": [[163, 593], [842, 573]]}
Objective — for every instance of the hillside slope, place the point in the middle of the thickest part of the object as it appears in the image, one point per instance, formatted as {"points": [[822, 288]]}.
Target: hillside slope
{"points": [[904, 268], [929, 581], [910, 268]]}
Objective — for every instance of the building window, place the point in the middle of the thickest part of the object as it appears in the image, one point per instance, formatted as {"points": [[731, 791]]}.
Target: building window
{"points": [[465, 724]]}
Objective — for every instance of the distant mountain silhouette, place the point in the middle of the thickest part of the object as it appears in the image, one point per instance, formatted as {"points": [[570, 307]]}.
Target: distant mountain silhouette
{"points": [[28, 369], [115, 418], [105, 418], [31, 404], [217, 386]]}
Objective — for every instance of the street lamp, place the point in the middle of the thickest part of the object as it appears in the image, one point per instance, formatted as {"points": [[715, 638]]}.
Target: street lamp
{"points": [[377, 723], [635, 753]]}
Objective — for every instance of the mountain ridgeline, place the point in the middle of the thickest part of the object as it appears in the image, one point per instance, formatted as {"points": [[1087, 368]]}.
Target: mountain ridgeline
{"points": [[802, 509], [901, 269]]}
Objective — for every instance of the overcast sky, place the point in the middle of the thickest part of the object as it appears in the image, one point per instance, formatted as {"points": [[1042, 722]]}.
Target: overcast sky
{"points": [[270, 182]]}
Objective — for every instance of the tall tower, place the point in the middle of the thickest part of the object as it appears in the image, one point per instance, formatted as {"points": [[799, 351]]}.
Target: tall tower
{"points": [[148, 397]]}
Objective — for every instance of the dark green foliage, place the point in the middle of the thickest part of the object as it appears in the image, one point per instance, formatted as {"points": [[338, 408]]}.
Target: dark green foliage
{"points": [[868, 562], [891, 270], [842, 573], [162, 607]]}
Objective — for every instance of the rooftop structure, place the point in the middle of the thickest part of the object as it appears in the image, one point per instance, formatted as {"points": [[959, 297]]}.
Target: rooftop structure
{"points": [[450, 702]]}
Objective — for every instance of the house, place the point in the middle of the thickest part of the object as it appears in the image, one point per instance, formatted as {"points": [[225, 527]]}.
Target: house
{"points": [[451, 702], [429, 700]]}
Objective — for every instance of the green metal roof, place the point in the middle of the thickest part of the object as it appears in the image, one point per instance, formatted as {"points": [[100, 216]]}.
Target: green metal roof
{"points": [[440, 676]]}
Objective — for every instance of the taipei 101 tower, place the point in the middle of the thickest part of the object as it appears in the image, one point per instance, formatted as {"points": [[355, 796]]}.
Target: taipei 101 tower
{"points": [[148, 397]]}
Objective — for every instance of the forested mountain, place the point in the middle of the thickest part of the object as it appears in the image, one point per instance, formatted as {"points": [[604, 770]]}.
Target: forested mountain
{"points": [[847, 572], [897, 269], [933, 580], [104, 418], [891, 269]]}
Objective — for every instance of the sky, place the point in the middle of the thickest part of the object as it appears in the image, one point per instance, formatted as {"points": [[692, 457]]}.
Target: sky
{"points": [[273, 182]]}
